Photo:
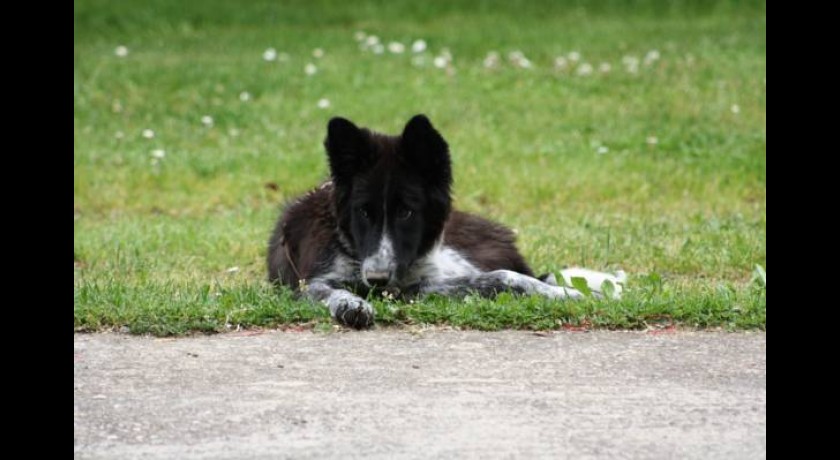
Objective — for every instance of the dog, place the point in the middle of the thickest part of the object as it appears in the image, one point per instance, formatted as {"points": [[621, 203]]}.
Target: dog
{"points": [[385, 221]]}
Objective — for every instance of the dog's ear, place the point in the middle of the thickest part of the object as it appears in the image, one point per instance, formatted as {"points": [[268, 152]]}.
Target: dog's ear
{"points": [[347, 148], [424, 149]]}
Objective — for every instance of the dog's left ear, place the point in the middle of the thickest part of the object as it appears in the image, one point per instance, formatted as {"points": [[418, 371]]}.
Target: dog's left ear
{"points": [[424, 148]]}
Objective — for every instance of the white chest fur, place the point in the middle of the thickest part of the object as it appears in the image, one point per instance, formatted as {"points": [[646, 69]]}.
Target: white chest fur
{"points": [[441, 263]]}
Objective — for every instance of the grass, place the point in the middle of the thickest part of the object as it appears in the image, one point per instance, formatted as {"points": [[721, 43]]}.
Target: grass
{"points": [[684, 214]]}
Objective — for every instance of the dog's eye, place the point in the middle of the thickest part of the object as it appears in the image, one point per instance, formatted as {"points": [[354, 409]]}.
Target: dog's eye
{"points": [[404, 214], [363, 212]]}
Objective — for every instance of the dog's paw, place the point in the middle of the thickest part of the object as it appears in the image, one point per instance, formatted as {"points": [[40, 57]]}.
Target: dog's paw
{"points": [[562, 293], [353, 312]]}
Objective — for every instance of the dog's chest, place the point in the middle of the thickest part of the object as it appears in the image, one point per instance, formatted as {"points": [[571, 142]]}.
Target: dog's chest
{"points": [[442, 263]]}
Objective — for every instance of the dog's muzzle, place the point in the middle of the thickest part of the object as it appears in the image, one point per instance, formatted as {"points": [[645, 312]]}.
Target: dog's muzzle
{"points": [[377, 278]]}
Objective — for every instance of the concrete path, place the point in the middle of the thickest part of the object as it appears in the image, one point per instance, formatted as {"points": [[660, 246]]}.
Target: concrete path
{"points": [[388, 394]]}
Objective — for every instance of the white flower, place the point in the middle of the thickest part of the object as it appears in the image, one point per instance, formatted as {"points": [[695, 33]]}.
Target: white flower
{"points": [[359, 35], [605, 67], [440, 62], [418, 46], [560, 63], [651, 57], [574, 56], [518, 59], [396, 47], [119, 135], [492, 60], [121, 51], [630, 60], [584, 69], [207, 121], [652, 140], [244, 96], [158, 153], [310, 69], [148, 133], [233, 132], [377, 48], [318, 53], [631, 63], [232, 270], [270, 54], [602, 150], [736, 109], [323, 103], [371, 40]]}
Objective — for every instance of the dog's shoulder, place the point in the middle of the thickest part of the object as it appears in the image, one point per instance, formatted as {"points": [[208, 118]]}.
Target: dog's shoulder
{"points": [[487, 244]]}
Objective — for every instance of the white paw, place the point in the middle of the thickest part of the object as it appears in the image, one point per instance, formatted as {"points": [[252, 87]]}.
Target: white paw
{"points": [[350, 310], [560, 293]]}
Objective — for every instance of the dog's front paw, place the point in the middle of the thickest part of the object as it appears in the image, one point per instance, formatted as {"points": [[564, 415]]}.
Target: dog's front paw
{"points": [[352, 311]]}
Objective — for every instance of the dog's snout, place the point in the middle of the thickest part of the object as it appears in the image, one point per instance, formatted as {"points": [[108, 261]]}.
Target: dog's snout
{"points": [[378, 279]]}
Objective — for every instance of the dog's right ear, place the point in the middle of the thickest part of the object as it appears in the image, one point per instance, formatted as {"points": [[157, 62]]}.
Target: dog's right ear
{"points": [[347, 148]]}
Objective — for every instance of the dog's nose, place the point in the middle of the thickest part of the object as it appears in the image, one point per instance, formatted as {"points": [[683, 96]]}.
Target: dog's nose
{"points": [[377, 279]]}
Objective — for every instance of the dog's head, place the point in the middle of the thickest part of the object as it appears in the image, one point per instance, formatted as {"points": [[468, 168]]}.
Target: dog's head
{"points": [[391, 194]]}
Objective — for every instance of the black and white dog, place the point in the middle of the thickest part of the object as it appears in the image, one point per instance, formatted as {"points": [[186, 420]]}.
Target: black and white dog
{"points": [[385, 220]]}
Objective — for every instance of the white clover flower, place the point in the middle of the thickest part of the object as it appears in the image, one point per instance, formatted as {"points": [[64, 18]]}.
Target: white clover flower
{"points": [[310, 69], [270, 54], [604, 67], [158, 153], [631, 63], [244, 96], [377, 48], [574, 56], [440, 62], [121, 51], [602, 150], [736, 109], [561, 63], [318, 53], [651, 57], [119, 134], [492, 60], [518, 59], [652, 140], [323, 103], [207, 121], [371, 40], [396, 47], [584, 69], [418, 46], [360, 35], [148, 133]]}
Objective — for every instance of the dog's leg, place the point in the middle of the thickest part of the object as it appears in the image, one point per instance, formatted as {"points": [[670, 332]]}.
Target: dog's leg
{"points": [[347, 308], [489, 284]]}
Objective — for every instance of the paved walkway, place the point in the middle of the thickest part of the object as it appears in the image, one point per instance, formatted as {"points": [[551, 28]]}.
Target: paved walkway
{"points": [[389, 394]]}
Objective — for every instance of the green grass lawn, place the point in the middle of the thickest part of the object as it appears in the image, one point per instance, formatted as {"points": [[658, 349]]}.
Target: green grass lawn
{"points": [[646, 154]]}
